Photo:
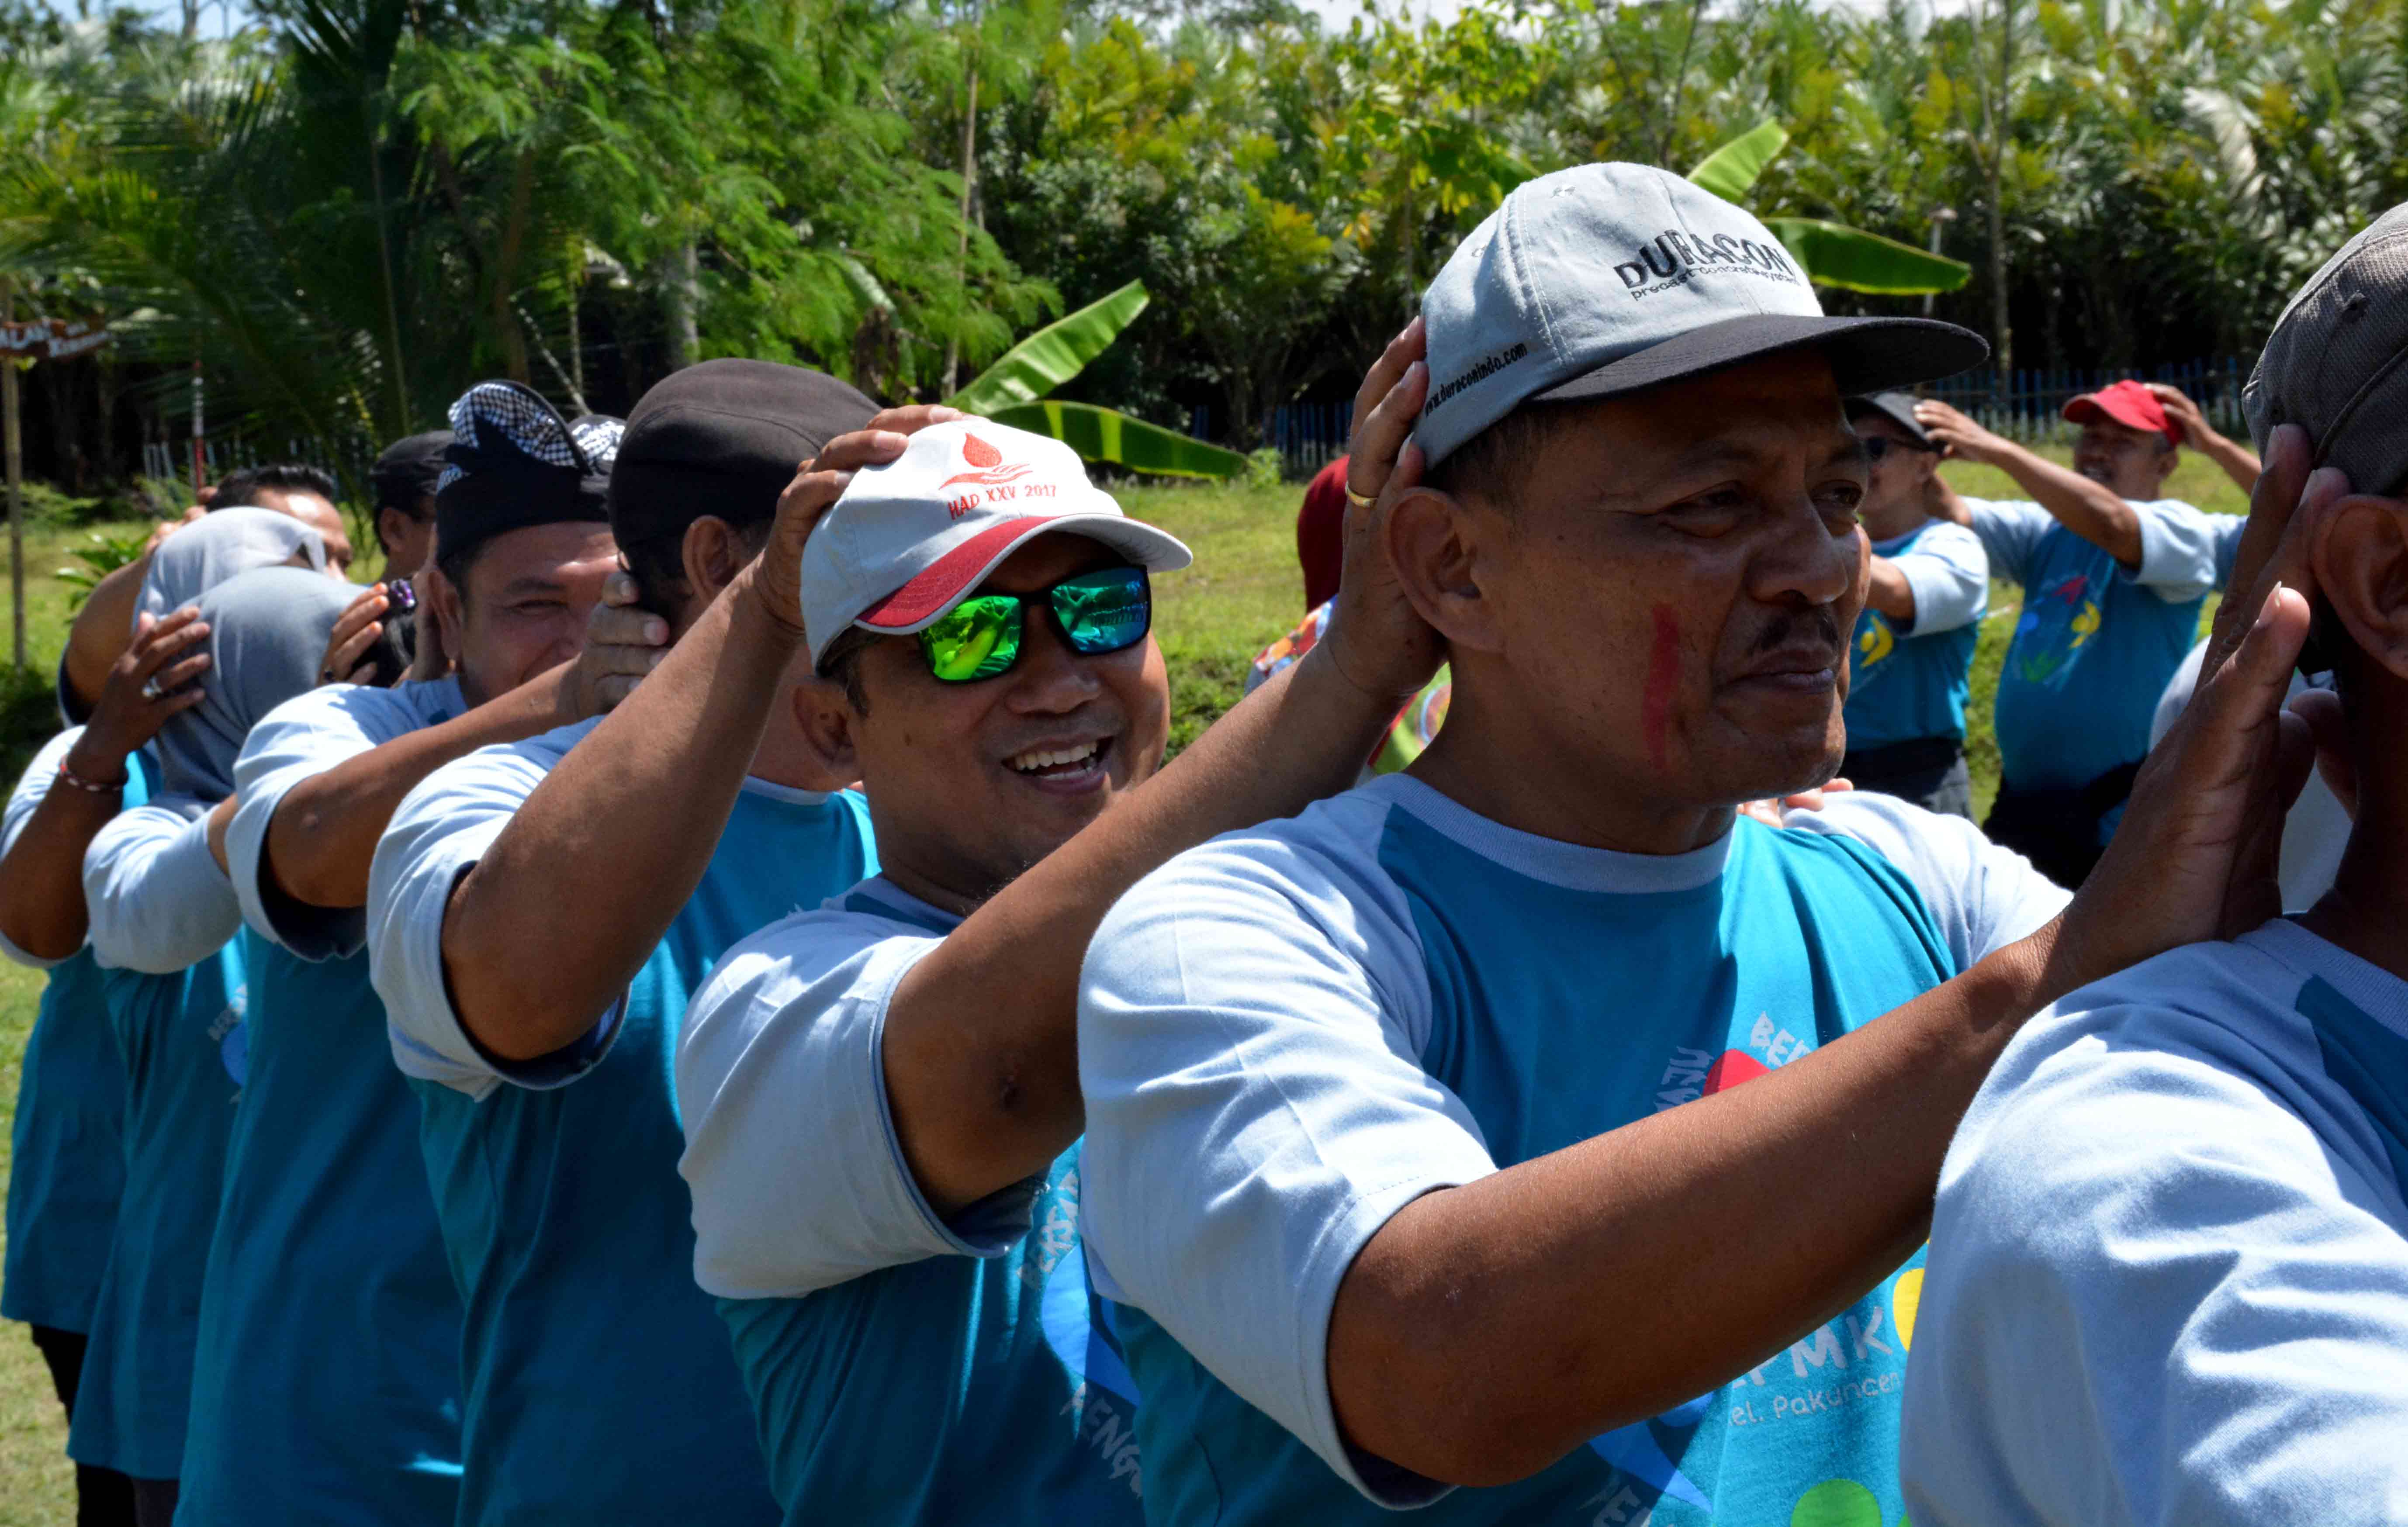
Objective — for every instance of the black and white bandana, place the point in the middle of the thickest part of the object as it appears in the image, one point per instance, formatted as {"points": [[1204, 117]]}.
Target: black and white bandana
{"points": [[514, 461]]}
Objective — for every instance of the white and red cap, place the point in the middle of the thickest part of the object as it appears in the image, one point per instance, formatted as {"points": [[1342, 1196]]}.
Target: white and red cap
{"points": [[914, 538]]}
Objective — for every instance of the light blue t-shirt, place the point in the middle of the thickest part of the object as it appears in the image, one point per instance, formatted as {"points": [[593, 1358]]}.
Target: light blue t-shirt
{"points": [[2169, 1277], [67, 1164], [2095, 644], [1911, 683], [181, 1038], [597, 1379], [1291, 1033], [326, 1381], [907, 1369]]}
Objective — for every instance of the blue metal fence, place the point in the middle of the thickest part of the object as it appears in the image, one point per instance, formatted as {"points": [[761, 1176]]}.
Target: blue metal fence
{"points": [[2028, 407]]}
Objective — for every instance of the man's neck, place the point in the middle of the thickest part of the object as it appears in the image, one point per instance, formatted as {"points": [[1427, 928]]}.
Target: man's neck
{"points": [[786, 756], [1890, 522], [1525, 781], [2366, 911]]}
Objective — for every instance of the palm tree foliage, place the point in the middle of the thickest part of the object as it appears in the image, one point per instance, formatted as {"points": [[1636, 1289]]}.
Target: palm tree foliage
{"points": [[353, 207]]}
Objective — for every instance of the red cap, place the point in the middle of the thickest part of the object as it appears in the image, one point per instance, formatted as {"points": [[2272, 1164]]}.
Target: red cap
{"points": [[2128, 402]]}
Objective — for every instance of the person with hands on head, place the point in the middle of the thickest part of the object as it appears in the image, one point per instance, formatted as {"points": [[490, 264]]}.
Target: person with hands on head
{"points": [[2235, 459], [66, 1153], [1525, 1137], [980, 617], [532, 969], [1911, 657], [326, 1375], [164, 927], [2113, 576], [404, 482], [2170, 1243]]}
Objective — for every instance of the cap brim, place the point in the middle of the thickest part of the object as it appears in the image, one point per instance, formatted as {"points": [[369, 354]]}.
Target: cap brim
{"points": [[1904, 417], [2089, 406], [1867, 354], [950, 577]]}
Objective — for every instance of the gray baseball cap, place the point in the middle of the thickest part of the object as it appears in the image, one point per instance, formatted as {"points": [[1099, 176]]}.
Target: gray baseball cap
{"points": [[1606, 279], [2337, 361]]}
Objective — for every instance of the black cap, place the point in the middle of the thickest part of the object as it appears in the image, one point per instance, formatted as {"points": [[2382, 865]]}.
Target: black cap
{"points": [[407, 470], [724, 437], [1898, 408], [514, 461]]}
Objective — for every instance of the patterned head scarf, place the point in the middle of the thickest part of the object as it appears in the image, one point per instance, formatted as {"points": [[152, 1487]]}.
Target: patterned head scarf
{"points": [[514, 461]]}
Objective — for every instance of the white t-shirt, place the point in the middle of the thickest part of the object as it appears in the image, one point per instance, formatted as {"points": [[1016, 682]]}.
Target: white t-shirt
{"points": [[1290, 1032], [299, 740], [158, 901], [2169, 1270]]}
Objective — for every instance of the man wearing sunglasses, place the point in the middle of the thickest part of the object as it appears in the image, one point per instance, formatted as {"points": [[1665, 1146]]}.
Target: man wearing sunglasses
{"points": [[880, 1097], [533, 968], [1911, 661]]}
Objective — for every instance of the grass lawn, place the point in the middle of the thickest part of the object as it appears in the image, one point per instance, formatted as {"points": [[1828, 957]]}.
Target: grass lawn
{"points": [[1243, 592]]}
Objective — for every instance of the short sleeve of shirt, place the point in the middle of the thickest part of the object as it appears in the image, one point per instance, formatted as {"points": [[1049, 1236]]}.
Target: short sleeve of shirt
{"points": [[1250, 1023], [2226, 530], [1950, 575], [799, 1180], [436, 834], [298, 740], [39, 775], [2178, 551], [2010, 533], [2155, 1294], [1983, 896], [157, 900]]}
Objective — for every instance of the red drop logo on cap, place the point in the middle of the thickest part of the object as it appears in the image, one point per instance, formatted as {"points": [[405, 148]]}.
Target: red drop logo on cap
{"points": [[988, 463]]}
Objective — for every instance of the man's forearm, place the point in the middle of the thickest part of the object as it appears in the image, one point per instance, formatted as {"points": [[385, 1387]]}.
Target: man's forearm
{"points": [[41, 880], [325, 829], [2089, 510], [1487, 1330], [1890, 592], [982, 1037], [545, 932], [2235, 459], [101, 630]]}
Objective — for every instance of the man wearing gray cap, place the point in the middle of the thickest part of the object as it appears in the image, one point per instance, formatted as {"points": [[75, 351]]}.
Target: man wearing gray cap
{"points": [[1911, 659], [1420, 1170], [2170, 1268]]}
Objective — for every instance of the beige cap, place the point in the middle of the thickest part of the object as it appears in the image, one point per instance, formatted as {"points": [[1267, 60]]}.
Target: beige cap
{"points": [[2337, 361]]}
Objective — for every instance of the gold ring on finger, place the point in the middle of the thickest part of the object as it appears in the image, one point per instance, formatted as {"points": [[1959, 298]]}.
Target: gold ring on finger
{"points": [[1360, 501]]}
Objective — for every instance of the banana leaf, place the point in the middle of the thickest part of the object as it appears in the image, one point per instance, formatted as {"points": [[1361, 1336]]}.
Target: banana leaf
{"points": [[1053, 355], [1732, 169], [1854, 259], [1101, 435]]}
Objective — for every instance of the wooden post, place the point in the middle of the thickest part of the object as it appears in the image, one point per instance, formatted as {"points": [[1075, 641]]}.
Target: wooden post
{"points": [[16, 452]]}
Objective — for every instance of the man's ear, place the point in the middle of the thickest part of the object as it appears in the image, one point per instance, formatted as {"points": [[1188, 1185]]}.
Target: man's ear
{"points": [[712, 553], [828, 721], [439, 594], [1435, 543], [2360, 560]]}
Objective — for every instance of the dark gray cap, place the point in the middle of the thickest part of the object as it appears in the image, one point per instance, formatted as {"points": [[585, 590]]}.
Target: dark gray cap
{"points": [[1898, 408], [2337, 361]]}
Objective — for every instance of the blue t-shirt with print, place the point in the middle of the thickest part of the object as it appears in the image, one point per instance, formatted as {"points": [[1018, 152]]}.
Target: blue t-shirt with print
{"points": [[598, 1383], [1906, 684], [950, 1388], [2095, 644], [66, 1162], [326, 1381], [181, 1040], [1289, 1034]]}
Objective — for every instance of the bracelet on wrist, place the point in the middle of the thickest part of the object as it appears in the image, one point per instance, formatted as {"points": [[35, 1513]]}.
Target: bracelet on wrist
{"points": [[91, 787]]}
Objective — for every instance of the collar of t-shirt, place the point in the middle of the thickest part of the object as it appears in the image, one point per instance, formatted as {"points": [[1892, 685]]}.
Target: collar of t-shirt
{"points": [[1551, 861], [885, 898]]}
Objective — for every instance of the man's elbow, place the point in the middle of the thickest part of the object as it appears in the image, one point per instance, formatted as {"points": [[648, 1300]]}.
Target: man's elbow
{"points": [[1455, 1433], [40, 939]]}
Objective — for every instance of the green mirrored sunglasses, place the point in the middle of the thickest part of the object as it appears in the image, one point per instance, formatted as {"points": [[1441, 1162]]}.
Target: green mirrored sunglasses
{"points": [[1104, 611]]}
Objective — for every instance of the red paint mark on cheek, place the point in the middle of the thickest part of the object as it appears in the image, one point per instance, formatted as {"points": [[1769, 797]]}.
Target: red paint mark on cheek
{"points": [[1663, 677]]}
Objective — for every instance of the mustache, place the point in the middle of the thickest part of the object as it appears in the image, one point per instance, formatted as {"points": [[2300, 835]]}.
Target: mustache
{"points": [[1784, 629]]}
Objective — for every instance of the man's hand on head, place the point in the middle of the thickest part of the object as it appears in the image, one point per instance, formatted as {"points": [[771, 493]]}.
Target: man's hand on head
{"points": [[356, 630], [623, 644], [1380, 643], [1959, 436], [777, 575]]}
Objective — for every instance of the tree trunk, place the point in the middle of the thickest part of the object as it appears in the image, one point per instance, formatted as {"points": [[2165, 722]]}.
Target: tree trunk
{"points": [[681, 295], [505, 271], [2001, 113], [962, 246]]}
